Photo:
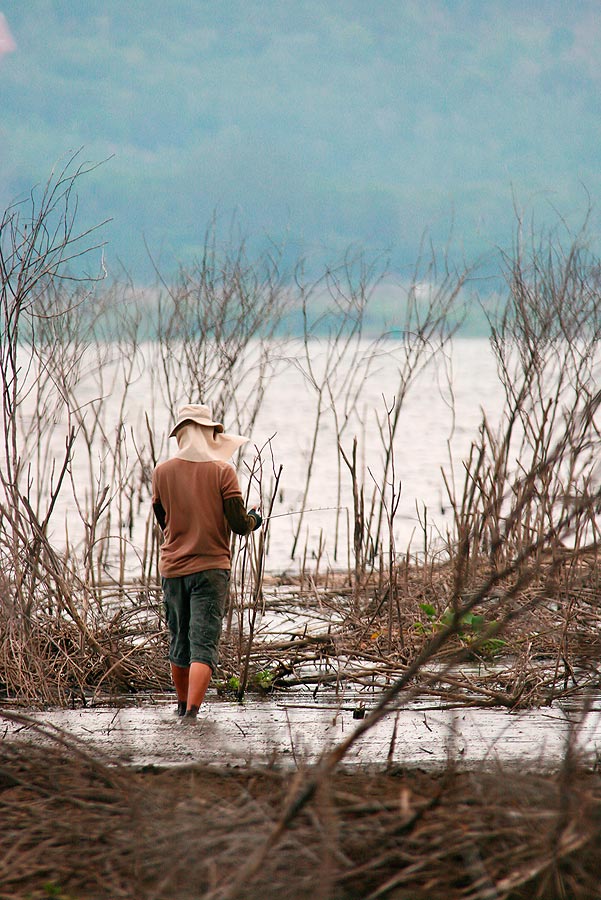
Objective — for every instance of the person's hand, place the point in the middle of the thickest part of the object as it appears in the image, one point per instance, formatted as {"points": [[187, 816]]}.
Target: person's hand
{"points": [[256, 516]]}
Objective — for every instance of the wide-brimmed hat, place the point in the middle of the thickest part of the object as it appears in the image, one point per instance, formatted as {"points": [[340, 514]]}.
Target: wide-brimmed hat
{"points": [[195, 412], [200, 438]]}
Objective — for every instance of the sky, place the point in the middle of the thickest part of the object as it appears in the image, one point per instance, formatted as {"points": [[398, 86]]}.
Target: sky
{"points": [[314, 125]]}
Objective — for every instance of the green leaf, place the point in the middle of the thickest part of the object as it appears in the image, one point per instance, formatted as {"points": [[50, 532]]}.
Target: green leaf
{"points": [[428, 609]]}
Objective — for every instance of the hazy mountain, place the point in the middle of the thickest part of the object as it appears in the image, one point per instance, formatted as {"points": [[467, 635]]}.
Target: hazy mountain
{"points": [[314, 122]]}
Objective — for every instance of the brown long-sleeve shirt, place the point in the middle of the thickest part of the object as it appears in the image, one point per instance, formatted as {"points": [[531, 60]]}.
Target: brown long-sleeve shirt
{"points": [[197, 504]]}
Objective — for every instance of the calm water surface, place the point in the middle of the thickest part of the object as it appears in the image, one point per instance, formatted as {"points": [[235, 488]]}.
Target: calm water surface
{"points": [[436, 428], [439, 420]]}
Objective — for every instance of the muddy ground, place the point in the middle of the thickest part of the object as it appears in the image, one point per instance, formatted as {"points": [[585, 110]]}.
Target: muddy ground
{"points": [[297, 728]]}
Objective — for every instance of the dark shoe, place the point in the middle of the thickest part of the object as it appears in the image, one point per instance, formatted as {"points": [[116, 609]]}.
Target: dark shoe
{"points": [[190, 715], [181, 707]]}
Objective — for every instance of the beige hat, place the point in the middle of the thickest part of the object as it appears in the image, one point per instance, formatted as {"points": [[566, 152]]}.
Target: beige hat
{"points": [[195, 412], [200, 439]]}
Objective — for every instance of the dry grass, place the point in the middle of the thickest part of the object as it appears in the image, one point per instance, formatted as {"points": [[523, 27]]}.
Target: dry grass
{"points": [[531, 639], [528, 642], [74, 826], [50, 657]]}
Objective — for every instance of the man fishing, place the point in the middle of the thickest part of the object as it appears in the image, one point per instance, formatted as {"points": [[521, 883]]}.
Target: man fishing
{"points": [[197, 502]]}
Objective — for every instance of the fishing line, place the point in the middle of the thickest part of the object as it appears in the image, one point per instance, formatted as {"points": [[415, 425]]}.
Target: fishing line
{"points": [[299, 512]]}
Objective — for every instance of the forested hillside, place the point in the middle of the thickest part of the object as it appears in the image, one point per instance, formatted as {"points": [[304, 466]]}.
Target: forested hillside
{"points": [[310, 123]]}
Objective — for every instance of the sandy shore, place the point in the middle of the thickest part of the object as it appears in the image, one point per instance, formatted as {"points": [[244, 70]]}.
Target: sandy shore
{"points": [[296, 729]]}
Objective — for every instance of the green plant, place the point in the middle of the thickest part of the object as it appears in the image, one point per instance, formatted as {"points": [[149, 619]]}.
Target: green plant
{"points": [[263, 679], [471, 628], [55, 890]]}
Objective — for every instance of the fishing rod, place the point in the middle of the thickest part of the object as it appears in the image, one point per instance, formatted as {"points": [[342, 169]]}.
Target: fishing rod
{"points": [[299, 512]]}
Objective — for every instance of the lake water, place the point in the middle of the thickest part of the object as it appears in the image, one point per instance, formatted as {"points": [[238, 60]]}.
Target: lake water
{"points": [[120, 432], [436, 427], [439, 419]]}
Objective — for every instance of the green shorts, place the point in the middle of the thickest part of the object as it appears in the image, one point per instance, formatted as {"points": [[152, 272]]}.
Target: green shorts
{"points": [[195, 606]]}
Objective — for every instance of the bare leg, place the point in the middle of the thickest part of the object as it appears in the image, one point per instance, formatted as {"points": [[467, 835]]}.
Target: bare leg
{"points": [[181, 678], [200, 676]]}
